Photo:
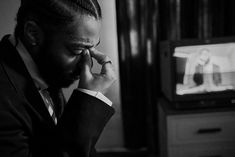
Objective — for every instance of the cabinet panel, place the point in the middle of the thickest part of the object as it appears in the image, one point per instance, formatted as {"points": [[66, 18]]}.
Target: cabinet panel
{"points": [[202, 151], [199, 128], [196, 133]]}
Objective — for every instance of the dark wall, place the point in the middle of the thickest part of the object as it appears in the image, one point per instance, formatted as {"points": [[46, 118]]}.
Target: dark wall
{"points": [[183, 19]]}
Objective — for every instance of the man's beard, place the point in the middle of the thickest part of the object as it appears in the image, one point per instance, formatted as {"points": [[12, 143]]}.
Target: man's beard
{"points": [[54, 75]]}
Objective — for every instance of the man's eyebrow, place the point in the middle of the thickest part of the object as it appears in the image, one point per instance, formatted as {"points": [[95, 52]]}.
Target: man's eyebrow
{"points": [[84, 44]]}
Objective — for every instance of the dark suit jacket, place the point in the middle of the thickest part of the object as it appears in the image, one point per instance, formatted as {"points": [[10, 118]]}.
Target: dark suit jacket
{"points": [[26, 128]]}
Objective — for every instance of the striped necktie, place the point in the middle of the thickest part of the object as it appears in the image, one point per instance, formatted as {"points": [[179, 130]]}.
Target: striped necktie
{"points": [[54, 101]]}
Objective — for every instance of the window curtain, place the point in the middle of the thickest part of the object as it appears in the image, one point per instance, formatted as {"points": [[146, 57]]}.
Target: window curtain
{"points": [[137, 38]]}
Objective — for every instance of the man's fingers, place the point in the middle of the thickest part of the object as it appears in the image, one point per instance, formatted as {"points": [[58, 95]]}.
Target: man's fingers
{"points": [[100, 57], [97, 82], [104, 61], [107, 68]]}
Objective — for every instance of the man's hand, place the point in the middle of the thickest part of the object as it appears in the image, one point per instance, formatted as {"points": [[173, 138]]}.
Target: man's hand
{"points": [[92, 81]]}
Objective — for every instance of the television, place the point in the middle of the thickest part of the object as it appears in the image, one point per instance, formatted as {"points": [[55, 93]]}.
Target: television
{"points": [[198, 73]]}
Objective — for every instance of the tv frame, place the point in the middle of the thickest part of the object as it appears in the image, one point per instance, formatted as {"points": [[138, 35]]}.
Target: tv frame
{"points": [[168, 76]]}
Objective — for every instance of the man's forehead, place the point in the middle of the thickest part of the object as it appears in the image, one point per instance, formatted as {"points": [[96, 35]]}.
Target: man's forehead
{"points": [[82, 32]]}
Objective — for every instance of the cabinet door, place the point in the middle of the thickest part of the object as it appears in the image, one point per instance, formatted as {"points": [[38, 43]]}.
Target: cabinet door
{"points": [[201, 128], [202, 151]]}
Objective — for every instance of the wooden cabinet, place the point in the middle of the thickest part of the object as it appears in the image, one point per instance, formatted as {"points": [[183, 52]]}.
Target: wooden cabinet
{"points": [[196, 133]]}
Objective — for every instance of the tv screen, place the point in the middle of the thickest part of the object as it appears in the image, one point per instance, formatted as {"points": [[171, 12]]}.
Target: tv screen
{"points": [[207, 68]]}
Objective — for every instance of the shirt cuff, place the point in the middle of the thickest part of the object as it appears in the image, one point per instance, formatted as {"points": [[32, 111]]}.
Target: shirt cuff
{"points": [[98, 95]]}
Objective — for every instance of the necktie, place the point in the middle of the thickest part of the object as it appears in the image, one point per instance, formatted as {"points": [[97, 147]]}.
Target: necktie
{"points": [[58, 100], [54, 101]]}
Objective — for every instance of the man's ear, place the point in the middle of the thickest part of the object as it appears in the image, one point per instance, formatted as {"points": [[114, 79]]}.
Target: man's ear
{"points": [[33, 33]]}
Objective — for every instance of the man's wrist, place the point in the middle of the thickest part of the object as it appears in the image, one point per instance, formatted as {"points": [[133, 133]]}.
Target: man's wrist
{"points": [[96, 94]]}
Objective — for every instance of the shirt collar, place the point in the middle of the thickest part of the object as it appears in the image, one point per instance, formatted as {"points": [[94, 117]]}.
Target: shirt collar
{"points": [[29, 63]]}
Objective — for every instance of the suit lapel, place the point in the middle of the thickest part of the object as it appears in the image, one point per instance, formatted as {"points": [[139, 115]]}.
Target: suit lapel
{"points": [[21, 80]]}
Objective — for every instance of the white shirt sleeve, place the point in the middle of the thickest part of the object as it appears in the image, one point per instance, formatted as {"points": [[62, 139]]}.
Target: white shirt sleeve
{"points": [[98, 95]]}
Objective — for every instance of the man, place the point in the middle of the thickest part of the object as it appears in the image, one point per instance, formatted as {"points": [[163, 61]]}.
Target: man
{"points": [[52, 46]]}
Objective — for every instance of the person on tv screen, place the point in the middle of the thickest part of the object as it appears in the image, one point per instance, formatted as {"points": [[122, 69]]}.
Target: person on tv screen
{"points": [[53, 46], [203, 71], [202, 74]]}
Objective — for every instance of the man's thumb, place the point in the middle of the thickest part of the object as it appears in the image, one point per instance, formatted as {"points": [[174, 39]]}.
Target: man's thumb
{"points": [[87, 63]]}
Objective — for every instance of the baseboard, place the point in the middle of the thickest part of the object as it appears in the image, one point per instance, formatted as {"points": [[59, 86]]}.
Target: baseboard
{"points": [[122, 153]]}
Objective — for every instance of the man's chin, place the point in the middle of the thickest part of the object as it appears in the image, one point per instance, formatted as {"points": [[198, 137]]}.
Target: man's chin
{"points": [[63, 83], [66, 83]]}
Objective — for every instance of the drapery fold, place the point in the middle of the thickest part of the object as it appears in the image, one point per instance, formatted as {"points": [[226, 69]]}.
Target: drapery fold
{"points": [[137, 36]]}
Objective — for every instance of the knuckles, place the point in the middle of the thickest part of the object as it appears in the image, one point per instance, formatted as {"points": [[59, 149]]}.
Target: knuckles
{"points": [[112, 78]]}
